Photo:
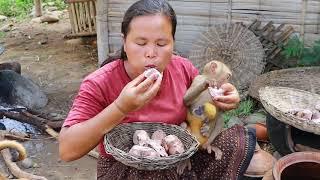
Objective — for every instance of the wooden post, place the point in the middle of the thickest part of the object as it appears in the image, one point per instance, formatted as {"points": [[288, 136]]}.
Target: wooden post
{"points": [[102, 30], [38, 8], [303, 15]]}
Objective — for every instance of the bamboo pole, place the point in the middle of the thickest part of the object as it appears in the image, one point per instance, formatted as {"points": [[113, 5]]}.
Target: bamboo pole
{"points": [[102, 31], [80, 16], [88, 15], [83, 14], [75, 18], [94, 13], [76, 10], [71, 19], [303, 14]]}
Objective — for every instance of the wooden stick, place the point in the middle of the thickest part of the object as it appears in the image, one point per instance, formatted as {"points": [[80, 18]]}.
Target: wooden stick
{"points": [[303, 15], [42, 120], [80, 16], [94, 154], [71, 19], [94, 13], [88, 15], [75, 17], [51, 132], [14, 135]]}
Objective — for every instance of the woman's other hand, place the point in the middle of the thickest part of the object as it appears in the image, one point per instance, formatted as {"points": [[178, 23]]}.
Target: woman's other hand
{"points": [[229, 100], [138, 92]]}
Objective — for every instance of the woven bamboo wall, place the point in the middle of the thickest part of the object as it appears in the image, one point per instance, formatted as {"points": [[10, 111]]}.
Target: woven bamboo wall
{"points": [[82, 15], [195, 16]]}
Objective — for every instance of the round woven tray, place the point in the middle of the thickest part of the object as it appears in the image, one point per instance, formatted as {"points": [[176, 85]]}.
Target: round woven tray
{"points": [[304, 78], [118, 142], [234, 45], [278, 101]]}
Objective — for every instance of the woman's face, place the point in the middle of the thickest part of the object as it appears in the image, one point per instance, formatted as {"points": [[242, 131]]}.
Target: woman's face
{"points": [[149, 43]]}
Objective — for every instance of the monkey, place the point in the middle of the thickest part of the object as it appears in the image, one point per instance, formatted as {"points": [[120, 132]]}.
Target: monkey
{"points": [[15, 145], [202, 113]]}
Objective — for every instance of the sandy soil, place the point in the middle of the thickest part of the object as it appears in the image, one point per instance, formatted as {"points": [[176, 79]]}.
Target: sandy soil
{"points": [[58, 68]]}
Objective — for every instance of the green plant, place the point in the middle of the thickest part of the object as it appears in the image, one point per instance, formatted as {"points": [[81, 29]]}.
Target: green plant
{"points": [[2, 34], [311, 56], [21, 8], [294, 48], [306, 56], [16, 8], [245, 108], [60, 4]]}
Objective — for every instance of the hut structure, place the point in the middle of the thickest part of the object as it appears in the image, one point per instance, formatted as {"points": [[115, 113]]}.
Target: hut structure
{"points": [[195, 16]]}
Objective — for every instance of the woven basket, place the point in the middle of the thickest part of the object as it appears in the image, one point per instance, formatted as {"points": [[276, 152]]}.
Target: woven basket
{"points": [[306, 78], [118, 142], [278, 101], [236, 46]]}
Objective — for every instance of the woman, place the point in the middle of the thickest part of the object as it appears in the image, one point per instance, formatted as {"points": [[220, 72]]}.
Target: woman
{"points": [[118, 92]]}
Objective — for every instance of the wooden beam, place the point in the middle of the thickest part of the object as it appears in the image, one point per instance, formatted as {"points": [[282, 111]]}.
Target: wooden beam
{"points": [[38, 9], [102, 30]]}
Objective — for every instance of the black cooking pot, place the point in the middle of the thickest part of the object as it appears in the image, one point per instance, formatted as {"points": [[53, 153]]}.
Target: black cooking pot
{"points": [[283, 136]]}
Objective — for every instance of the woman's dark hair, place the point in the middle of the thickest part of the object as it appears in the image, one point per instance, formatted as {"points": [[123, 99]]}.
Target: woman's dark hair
{"points": [[147, 7], [143, 8]]}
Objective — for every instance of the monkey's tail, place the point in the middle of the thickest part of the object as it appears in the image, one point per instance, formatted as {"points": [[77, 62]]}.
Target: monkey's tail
{"points": [[15, 145]]}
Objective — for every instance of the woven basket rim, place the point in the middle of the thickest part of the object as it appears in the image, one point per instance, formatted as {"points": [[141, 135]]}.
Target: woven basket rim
{"points": [[287, 117], [156, 163], [276, 75]]}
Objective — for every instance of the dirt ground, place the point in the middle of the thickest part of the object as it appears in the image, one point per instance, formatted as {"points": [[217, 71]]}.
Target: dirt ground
{"points": [[58, 68]]}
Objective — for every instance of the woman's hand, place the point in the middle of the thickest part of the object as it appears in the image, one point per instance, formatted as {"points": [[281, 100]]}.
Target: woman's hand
{"points": [[138, 92], [230, 100]]}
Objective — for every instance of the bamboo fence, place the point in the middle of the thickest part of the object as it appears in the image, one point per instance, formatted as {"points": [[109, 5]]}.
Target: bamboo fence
{"points": [[82, 15], [196, 16]]}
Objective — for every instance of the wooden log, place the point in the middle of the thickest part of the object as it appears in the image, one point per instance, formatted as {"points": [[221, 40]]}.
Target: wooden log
{"points": [[38, 8], [102, 31], [44, 122], [26, 117], [14, 135]]}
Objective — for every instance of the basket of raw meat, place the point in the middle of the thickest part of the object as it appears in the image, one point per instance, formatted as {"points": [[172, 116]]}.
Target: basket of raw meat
{"points": [[150, 146], [295, 107]]}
